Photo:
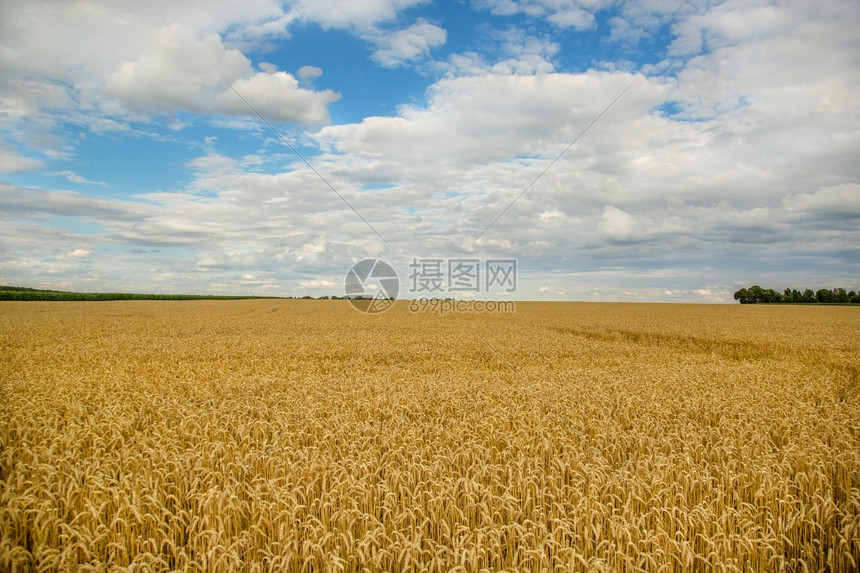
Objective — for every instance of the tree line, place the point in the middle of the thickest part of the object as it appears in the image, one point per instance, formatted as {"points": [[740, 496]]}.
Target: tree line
{"points": [[755, 294], [24, 293]]}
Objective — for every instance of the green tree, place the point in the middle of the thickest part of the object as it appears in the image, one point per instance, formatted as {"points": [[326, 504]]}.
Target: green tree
{"points": [[756, 294], [770, 296]]}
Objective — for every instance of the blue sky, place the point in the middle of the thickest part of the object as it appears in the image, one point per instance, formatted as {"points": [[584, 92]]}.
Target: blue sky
{"points": [[128, 163]]}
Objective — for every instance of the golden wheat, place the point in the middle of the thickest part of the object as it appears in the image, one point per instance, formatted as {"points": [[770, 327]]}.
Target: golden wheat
{"points": [[246, 435]]}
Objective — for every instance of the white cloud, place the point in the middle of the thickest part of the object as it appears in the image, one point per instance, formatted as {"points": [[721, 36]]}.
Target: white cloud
{"points": [[551, 214], [79, 43], [176, 70], [577, 14], [28, 202], [277, 97], [730, 23], [103, 65], [406, 45], [618, 225], [80, 180], [13, 162], [576, 18], [549, 290], [476, 119], [179, 71], [321, 283], [793, 60], [523, 54], [309, 73], [502, 52], [841, 200], [351, 13], [79, 254]]}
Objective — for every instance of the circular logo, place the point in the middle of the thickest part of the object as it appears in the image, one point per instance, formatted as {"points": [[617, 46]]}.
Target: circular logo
{"points": [[371, 286]]}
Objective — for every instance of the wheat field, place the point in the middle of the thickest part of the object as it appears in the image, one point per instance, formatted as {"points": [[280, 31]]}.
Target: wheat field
{"points": [[276, 435]]}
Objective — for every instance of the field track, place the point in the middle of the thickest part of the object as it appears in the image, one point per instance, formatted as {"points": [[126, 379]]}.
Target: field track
{"points": [[304, 436]]}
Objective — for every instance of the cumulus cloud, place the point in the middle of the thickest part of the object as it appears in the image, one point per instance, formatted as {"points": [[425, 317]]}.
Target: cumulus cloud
{"points": [[79, 254], [406, 45], [309, 73], [781, 60], [727, 24], [367, 18], [108, 65], [841, 200], [510, 50], [565, 14], [350, 13], [277, 96], [179, 71], [476, 119], [618, 225]]}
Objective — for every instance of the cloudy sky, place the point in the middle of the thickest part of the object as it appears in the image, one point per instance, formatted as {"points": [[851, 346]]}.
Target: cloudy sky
{"points": [[130, 162]]}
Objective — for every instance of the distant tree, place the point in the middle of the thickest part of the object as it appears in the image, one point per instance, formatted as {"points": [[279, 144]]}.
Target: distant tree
{"points": [[756, 294], [770, 296], [824, 295]]}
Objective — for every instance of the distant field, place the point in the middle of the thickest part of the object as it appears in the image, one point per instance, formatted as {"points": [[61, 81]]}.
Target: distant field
{"points": [[295, 435]]}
